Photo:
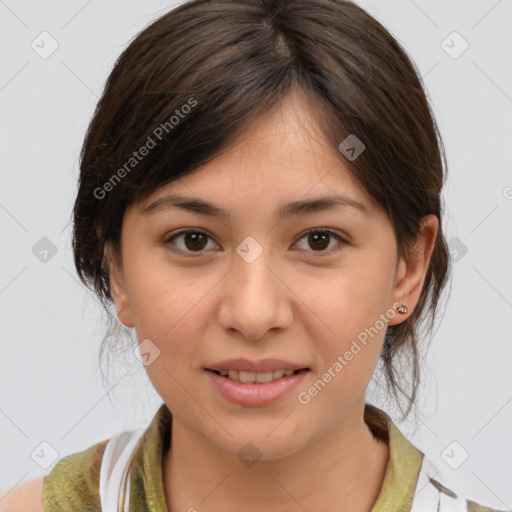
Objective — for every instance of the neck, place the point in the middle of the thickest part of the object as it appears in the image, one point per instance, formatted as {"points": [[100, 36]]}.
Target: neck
{"points": [[344, 470]]}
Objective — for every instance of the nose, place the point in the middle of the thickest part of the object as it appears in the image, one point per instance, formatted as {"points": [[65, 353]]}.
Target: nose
{"points": [[255, 298]]}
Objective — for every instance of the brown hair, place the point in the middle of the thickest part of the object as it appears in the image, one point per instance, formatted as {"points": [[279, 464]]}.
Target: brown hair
{"points": [[188, 84]]}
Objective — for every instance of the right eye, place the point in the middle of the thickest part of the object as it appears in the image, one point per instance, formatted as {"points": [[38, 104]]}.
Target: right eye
{"points": [[193, 241]]}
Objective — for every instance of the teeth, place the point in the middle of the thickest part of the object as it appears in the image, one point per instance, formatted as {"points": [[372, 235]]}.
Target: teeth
{"points": [[261, 377]]}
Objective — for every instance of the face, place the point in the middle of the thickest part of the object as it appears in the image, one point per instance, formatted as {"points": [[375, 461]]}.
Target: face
{"points": [[308, 287]]}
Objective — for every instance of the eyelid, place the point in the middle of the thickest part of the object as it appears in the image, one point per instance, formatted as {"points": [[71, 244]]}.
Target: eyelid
{"points": [[333, 233]]}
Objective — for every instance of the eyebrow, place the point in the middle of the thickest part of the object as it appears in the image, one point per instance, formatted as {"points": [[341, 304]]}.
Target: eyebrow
{"points": [[291, 209]]}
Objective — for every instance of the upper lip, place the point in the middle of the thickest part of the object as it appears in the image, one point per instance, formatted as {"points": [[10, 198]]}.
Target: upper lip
{"points": [[262, 365]]}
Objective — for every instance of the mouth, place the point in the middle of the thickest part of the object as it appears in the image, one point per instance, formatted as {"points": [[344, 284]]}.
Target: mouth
{"points": [[255, 389], [245, 377]]}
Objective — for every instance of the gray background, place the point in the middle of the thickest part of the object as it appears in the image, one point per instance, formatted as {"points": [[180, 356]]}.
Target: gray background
{"points": [[50, 387]]}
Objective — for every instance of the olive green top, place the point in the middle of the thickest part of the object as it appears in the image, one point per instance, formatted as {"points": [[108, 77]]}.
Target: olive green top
{"points": [[73, 483]]}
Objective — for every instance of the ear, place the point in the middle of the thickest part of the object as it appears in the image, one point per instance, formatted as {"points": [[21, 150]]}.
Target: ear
{"points": [[413, 270], [117, 285]]}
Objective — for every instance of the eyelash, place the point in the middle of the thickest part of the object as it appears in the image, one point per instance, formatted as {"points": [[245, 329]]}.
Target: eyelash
{"points": [[195, 254]]}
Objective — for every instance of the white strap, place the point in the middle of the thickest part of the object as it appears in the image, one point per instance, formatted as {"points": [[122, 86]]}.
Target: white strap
{"points": [[114, 472], [428, 498], [458, 504], [115, 477]]}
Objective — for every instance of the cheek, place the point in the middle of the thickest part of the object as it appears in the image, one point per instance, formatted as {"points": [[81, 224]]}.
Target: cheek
{"points": [[171, 312], [164, 298], [174, 322], [345, 321], [348, 300]]}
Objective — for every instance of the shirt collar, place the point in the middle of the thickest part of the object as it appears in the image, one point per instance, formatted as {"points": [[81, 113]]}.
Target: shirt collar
{"points": [[397, 491]]}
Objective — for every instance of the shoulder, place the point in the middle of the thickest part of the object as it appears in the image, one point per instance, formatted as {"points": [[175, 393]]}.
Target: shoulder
{"points": [[73, 483], [27, 497], [472, 506], [449, 501]]}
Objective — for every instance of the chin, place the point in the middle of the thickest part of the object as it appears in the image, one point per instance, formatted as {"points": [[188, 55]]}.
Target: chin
{"points": [[251, 447]]}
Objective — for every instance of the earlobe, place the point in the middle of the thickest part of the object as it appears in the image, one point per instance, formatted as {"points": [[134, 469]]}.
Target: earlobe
{"points": [[117, 286], [412, 273]]}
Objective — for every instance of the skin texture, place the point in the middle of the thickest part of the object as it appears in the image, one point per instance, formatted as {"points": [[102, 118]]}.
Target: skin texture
{"points": [[26, 497], [297, 301]]}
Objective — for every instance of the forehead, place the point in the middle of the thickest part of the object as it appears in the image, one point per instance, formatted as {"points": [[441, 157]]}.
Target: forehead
{"points": [[280, 158]]}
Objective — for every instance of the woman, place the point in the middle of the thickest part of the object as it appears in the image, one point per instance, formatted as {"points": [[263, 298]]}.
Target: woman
{"points": [[259, 198]]}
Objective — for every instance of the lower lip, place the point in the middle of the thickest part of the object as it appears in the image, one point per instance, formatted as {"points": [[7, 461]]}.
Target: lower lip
{"points": [[255, 394]]}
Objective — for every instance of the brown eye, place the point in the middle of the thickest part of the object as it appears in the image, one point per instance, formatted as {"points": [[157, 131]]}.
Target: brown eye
{"points": [[191, 241], [319, 240], [195, 241]]}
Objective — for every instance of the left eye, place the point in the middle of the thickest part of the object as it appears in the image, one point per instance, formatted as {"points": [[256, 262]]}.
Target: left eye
{"points": [[320, 238], [195, 241]]}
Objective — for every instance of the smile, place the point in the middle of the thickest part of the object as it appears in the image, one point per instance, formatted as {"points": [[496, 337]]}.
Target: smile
{"points": [[251, 377], [253, 392]]}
